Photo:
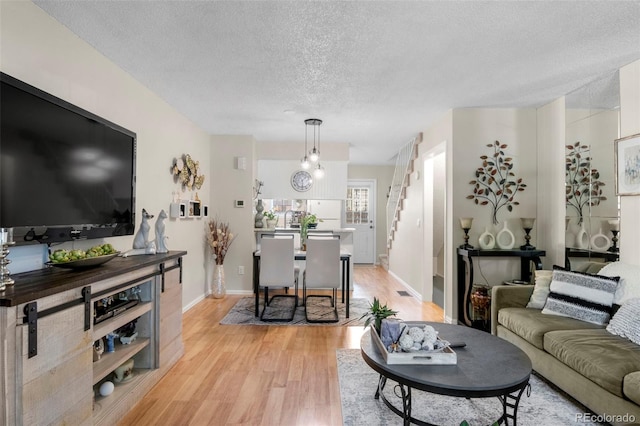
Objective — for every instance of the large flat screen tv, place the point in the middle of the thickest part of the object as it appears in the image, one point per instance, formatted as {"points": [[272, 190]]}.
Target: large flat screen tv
{"points": [[65, 173]]}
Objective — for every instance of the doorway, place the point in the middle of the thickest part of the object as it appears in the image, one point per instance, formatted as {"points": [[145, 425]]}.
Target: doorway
{"points": [[435, 225], [358, 212]]}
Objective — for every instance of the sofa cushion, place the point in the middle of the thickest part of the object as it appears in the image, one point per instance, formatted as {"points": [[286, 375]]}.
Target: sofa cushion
{"points": [[629, 286], [582, 296], [626, 322], [631, 386], [531, 324], [596, 354], [540, 289]]}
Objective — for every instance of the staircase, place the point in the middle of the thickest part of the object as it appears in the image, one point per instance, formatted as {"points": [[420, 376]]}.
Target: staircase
{"points": [[398, 190]]}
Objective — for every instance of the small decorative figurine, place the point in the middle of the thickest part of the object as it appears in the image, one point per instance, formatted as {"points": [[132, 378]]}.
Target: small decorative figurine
{"points": [[161, 242], [141, 240], [141, 243]]}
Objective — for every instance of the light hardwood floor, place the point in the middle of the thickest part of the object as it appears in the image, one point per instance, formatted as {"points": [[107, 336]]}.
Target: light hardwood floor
{"points": [[264, 375]]}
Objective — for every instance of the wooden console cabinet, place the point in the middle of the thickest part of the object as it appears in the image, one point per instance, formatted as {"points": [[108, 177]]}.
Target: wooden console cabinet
{"points": [[48, 330]]}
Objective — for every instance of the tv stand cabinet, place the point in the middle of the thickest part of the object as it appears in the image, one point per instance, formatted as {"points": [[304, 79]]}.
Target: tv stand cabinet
{"points": [[47, 336]]}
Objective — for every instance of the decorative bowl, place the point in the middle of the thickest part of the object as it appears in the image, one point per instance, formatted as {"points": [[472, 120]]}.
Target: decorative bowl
{"points": [[85, 263]]}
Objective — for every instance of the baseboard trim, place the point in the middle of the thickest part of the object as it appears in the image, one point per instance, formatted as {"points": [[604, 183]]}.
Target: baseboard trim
{"points": [[410, 289]]}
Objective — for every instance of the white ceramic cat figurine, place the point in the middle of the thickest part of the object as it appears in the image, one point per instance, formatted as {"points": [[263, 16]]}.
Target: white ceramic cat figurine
{"points": [[161, 239]]}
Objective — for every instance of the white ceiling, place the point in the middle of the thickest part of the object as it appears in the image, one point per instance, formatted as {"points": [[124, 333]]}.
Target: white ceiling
{"points": [[376, 73]]}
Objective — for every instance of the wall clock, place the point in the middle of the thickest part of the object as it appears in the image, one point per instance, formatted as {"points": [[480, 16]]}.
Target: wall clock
{"points": [[301, 181]]}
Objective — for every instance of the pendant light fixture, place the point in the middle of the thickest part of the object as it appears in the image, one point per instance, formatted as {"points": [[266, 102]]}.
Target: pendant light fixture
{"points": [[314, 155], [304, 163]]}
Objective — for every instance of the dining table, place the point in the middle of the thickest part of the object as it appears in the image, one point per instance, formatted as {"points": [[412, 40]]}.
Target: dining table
{"points": [[345, 259]]}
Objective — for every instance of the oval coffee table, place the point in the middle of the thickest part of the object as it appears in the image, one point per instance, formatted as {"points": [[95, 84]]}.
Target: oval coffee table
{"points": [[486, 367]]}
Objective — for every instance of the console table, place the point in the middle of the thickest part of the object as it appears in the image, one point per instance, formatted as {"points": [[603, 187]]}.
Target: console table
{"points": [[606, 256], [465, 276]]}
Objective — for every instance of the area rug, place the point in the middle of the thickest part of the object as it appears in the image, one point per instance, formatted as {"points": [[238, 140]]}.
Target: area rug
{"points": [[358, 382], [243, 312]]}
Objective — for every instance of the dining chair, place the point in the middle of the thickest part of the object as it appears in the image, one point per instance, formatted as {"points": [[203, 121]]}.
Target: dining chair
{"points": [[322, 272], [277, 270]]}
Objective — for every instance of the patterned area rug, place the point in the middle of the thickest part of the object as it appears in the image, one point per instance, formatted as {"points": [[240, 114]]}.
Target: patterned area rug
{"points": [[243, 312], [358, 382]]}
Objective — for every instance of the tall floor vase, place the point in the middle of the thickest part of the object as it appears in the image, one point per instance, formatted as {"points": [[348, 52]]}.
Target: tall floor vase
{"points": [[218, 288]]}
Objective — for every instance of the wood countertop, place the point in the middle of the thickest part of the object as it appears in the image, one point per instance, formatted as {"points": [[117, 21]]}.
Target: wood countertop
{"points": [[30, 286]]}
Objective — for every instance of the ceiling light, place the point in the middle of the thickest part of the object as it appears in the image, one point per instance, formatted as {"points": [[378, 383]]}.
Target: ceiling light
{"points": [[314, 155], [318, 173]]}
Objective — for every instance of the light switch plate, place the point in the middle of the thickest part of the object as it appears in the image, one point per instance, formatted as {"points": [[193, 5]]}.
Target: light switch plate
{"points": [[239, 204]]}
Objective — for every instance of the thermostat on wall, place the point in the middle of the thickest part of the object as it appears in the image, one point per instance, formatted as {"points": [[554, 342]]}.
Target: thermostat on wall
{"points": [[239, 203]]}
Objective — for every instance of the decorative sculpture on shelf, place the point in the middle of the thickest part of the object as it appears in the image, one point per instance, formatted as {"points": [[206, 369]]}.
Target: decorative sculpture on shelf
{"points": [[161, 242], [141, 243], [495, 182]]}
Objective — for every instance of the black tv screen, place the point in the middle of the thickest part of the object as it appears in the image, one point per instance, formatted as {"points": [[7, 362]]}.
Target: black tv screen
{"points": [[65, 173]]}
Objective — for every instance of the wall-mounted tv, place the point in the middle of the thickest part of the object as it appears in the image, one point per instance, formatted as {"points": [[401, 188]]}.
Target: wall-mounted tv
{"points": [[65, 173]]}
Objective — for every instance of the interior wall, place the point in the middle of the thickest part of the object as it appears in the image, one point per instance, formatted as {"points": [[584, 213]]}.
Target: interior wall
{"points": [[383, 176], [40, 51], [473, 130], [227, 185], [630, 125], [549, 227]]}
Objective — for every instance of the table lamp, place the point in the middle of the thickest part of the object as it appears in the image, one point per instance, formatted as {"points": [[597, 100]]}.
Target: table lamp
{"points": [[465, 224], [527, 224], [614, 225]]}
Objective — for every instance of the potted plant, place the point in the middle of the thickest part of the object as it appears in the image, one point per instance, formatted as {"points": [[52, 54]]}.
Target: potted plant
{"points": [[376, 313], [308, 221], [272, 219]]}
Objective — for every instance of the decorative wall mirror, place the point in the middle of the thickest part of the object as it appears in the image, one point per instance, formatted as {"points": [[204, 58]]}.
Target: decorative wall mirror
{"points": [[592, 207]]}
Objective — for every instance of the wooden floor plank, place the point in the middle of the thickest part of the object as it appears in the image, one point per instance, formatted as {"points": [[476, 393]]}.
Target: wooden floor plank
{"points": [[264, 375]]}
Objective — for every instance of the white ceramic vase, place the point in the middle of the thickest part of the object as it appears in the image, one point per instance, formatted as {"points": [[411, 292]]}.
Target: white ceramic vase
{"points": [[505, 238], [582, 238], [600, 241], [486, 241]]}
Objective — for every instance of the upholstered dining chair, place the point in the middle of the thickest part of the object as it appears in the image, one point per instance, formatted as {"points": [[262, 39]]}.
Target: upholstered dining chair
{"points": [[322, 271], [277, 270]]}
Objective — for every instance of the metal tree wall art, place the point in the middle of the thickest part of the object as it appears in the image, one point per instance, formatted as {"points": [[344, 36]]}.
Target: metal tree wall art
{"points": [[495, 183], [582, 182]]}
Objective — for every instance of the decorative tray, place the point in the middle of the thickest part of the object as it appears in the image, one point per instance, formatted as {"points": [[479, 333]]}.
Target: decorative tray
{"points": [[85, 263], [446, 356]]}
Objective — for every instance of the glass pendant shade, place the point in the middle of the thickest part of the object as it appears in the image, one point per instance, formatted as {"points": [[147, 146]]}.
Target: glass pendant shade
{"points": [[318, 173], [305, 163], [314, 155]]}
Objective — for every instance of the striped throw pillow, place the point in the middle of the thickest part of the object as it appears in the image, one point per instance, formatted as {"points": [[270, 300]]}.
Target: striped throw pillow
{"points": [[581, 296]]}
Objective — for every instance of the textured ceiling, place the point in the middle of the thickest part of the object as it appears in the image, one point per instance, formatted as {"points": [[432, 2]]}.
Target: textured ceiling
{"points": [[376, 73]]}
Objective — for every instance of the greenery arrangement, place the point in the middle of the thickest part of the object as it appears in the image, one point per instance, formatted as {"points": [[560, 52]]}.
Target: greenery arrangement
{"points": [[304, 224], [582, 182], [376, 313], [270, 215], [219, 238], [495, 182]]}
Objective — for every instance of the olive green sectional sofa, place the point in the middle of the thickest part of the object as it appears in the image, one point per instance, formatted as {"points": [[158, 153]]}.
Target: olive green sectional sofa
{"points": [[599, 369]]}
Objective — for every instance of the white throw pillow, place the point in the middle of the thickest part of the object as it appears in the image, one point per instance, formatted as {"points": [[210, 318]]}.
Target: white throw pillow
{"points": [[541, 289], [626, 322], [629, 286]]}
